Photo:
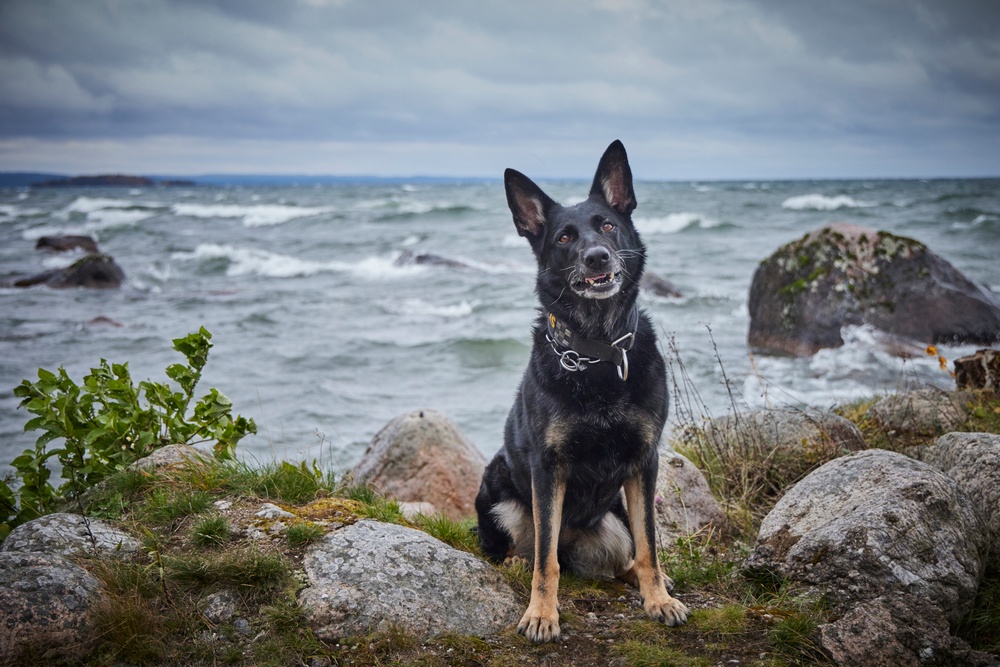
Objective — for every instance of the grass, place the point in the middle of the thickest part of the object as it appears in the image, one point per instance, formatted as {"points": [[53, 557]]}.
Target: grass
{"points": [[211, 531], [301, 534]]}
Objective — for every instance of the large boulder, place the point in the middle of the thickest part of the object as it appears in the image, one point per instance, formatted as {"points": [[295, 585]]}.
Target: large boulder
{"points": [[811, 436], [843, 275], [896, 631], [874, 531], [372, 576], [46, 609], [421, 457], [920, 412], [684, 504], [71, 534], [973, 461]]}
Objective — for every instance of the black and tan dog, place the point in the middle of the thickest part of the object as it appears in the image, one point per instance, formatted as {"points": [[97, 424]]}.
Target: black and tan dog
{"points": [[588, 415]]}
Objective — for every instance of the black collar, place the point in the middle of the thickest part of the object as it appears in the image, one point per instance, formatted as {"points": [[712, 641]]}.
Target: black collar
{"points": [[577, 352]]}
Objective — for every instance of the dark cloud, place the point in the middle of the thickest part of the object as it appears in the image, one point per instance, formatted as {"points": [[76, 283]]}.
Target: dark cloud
{"points": [[728, 85]]}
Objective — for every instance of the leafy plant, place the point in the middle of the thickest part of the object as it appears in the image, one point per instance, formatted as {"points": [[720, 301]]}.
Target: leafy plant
{"points": [[108, 422]]}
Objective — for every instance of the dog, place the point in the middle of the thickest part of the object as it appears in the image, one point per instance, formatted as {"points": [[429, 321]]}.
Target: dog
{"points": [[573, 485]]}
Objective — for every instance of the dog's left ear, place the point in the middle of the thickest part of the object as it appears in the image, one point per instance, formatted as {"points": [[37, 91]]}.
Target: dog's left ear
{"points": [[613, 181]]}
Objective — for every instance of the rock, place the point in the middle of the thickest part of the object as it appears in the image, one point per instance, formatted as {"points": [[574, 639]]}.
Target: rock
{"points": [[684, 504], [69, 534], [46, 609], [798, 437], [412, 510], [978, 371], [408, 257], [92, 271], [370, 576], [67, 243], [876, 523], [658, 285], [973, 461], [926, 412], [422, 457], [220, 607], [843, 275], [170, 456], [272, 511], [896, 631]]}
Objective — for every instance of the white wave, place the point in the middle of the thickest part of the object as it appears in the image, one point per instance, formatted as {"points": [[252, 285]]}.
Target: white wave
{"points": [[674, 222], [421, 307], [253, 216], [114, 217], [90, 204], [818, 202], [252, 261]]}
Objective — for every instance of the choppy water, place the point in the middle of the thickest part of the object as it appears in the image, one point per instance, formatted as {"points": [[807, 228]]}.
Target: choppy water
{"points": [[322, 338]]}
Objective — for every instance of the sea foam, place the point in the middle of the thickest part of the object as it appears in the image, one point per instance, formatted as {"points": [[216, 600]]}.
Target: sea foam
{"points": [[818, 202], [674, 222], [253, 261], [259, 215]]}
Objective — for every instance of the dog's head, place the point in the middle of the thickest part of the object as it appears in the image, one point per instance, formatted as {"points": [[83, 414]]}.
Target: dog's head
{"points": [[589, 250]]}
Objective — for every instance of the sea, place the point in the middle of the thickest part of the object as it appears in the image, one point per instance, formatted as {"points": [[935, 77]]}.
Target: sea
{"points": [[324, 329]]}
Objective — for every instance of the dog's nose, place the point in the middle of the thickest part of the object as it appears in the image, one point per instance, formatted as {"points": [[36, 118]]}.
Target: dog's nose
{"points": [[597, 258]]}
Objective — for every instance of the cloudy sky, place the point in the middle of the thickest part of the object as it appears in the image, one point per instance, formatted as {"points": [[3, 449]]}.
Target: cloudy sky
{"points": [[697, 89]]}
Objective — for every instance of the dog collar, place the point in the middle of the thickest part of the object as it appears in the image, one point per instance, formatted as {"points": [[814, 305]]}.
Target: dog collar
{"points": [[578, 353]]}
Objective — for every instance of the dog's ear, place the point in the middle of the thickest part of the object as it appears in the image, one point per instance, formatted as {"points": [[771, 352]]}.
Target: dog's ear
{"points": [[527, 202], [613, 181]]}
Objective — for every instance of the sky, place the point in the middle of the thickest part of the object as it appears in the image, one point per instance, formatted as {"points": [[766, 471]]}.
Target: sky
{"points": [[696, 89]]}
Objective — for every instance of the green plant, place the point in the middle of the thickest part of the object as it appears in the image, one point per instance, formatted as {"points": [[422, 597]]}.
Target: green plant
{"points": [[108, 422], [211, 531], [304, 533]]}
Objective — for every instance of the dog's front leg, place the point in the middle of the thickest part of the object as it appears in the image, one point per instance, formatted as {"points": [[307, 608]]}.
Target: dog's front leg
{"points": [[659, 605], [540, 622]]}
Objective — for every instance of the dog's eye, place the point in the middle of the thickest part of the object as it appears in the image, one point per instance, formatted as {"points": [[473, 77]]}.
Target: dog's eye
{"points": [[565, 238], [607, 227]]}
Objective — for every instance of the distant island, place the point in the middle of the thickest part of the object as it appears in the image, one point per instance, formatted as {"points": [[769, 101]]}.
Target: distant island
{"points": [[110, 180]]}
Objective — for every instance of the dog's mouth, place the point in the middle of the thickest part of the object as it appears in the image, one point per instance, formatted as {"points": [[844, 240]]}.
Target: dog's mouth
{"points": [[598, 286], [603, 279]]}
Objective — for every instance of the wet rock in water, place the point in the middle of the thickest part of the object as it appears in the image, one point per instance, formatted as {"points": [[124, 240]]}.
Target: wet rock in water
{"points": [[422, 457], [684, 504], [67, 243], [69, 534], [842, 275], [372, 576], [408, 257], [659, 286], [92, 271], [874, 532], [46, 609]]}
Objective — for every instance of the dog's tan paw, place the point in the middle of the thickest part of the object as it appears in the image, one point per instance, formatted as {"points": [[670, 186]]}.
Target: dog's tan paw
{"points": [[668, 610], [539, 628]]}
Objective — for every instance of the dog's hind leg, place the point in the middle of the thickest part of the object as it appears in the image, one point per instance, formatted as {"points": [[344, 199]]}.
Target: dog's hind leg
{"points": [[659, 605], [540, 622]]}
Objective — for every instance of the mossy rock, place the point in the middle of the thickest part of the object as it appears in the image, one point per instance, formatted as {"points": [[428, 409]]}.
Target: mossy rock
{"points": [[844, 275]]}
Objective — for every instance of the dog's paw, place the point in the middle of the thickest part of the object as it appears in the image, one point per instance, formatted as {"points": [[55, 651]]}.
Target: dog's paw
{"points": [[668, 610], [539, 628]]}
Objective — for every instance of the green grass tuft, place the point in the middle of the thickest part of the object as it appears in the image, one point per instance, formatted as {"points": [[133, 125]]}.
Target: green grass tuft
{"points": [[211, 531], [301, 534]]}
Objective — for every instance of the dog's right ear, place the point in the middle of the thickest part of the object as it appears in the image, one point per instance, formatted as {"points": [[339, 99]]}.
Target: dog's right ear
{"points": [[528, 203]]}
